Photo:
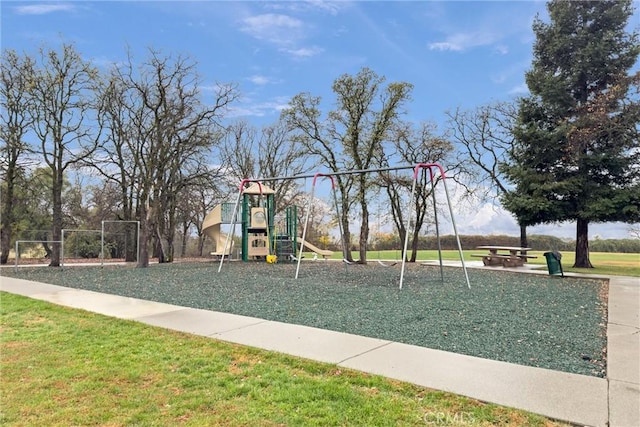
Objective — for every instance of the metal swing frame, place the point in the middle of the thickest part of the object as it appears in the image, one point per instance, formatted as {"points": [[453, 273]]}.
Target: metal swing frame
{"points": [[416, 172]]}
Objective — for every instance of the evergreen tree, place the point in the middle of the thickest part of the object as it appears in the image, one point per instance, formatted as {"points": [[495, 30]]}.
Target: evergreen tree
{"points": [[577, 152]]}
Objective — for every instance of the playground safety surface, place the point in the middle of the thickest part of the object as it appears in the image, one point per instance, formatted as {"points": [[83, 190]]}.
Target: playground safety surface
{"points": [[579, 399], [532, 320]]}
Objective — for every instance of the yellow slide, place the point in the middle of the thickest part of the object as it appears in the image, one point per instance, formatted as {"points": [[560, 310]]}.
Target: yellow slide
{"points": [[211, 227], [324, 252]]}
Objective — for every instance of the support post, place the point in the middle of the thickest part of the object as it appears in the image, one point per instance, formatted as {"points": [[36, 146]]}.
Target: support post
{"points": [[453, 222], [435, 216], [233, 227], [62, 250], [306, 222], [102, 245]]}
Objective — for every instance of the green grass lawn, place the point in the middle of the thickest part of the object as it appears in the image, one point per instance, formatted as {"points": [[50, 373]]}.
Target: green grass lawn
{"points": [[61, 366], [606, 263], [64, 367]]}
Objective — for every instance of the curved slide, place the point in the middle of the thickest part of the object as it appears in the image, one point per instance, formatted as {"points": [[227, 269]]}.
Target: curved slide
{"points": [[211, 227], [313, 248]]}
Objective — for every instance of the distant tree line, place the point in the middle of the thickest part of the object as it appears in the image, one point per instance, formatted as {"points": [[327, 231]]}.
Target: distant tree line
{"points": [[537, 242]]}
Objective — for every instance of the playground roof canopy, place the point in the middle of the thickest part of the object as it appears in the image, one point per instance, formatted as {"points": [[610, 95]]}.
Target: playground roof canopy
{"points": [[255, 189]]}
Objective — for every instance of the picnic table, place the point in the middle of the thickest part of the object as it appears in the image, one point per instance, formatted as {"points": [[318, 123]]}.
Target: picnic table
{"points": [[506, 256]]}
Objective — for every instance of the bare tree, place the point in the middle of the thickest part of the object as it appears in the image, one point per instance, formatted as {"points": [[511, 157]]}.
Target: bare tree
{"points": [[63, 90], [104, 203], [485, 139], [413, 145], [15, 75], [238, 151], [281, 156], [160, 139], [117, 159], [269, 153], [195, 202], [351, 137]]}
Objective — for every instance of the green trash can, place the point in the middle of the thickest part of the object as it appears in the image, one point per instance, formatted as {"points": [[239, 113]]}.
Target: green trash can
{"points": [[553, 263]]}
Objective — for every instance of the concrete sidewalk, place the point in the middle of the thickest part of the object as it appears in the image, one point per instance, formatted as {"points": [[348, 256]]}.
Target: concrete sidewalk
{"points": [[578, 399]]}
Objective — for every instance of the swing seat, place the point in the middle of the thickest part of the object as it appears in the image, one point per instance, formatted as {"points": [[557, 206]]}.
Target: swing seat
{"points": [[391, 264]]}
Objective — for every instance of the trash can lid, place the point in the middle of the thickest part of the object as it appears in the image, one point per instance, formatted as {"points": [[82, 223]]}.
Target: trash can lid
{"points": [[557, 255]]}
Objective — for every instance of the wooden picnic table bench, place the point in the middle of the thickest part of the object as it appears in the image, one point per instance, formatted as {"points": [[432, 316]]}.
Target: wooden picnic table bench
{"points": [[506, 256]]}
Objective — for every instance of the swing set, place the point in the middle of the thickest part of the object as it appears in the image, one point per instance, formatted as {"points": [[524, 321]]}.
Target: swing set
{"points": [[417, 169]]}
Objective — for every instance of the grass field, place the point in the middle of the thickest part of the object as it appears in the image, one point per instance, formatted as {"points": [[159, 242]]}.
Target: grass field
{"points": [[606, 263], [67, 367], [63, 367]]}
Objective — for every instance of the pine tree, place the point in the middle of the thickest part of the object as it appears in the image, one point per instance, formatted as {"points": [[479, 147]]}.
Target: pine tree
{"points": [[577, 151]]}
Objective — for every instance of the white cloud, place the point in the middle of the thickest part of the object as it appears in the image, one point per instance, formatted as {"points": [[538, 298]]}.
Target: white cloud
{"points": [[283, 31], [608, 230], [501, 49], [474, 217], [491, 220], [330, 7], [249, 108], [486, 219], [444, 46], [511, 73], [259, 80], [462, 41], [104, 62], [213, 88], [275, 28], [43, 8], [303, 52]]}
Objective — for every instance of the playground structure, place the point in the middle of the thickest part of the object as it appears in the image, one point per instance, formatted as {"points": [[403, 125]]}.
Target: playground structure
{"points": [[263, 235], [416, 174], [325, 253], [221, 214]]}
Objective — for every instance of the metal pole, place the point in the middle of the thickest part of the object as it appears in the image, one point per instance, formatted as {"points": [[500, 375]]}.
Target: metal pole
{"points": [[455, 230], [306, 222], [328, 174], [306, 219], [15, 268], [335, 202], [102, 246], [62, 250], [138, 246], [233, 223], [406, 236], [435, 216]]}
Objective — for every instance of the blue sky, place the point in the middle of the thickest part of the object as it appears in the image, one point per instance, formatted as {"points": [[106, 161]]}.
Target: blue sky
{"points": [[456, 54]]}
